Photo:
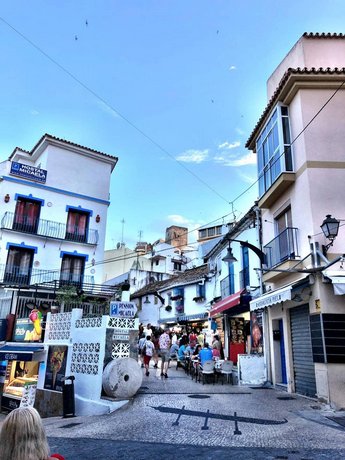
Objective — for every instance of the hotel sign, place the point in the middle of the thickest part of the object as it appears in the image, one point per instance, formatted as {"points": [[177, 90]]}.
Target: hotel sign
{"points": [[28, 172], [123, 309]]}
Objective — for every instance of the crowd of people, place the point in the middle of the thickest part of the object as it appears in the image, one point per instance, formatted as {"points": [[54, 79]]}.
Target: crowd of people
{"points": [[166, 344]]}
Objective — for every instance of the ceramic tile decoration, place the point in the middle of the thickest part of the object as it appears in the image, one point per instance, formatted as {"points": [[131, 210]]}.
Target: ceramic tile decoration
{"points": [[85, 358], [122, 323], [88, 322], [120, 350], [59, 328]]}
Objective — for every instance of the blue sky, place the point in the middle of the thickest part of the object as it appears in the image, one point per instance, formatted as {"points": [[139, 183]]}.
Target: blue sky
{"points": [[187, 80]]}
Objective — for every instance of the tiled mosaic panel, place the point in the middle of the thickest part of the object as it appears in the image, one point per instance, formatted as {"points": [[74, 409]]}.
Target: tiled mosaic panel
{"points": [[122, 323], [120, 350], [88, 322], [60, 326], [85, 358]]}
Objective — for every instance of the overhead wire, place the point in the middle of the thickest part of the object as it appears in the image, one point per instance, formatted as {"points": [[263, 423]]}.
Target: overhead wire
{"points": [[104, 101]]}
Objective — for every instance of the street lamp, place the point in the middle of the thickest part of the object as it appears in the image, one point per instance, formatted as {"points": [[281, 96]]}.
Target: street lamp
{"points": [[330, 228], [230, 257]]}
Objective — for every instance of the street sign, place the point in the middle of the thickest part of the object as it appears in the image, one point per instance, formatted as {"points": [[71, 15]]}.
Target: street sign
{"points": [[123, 309]]}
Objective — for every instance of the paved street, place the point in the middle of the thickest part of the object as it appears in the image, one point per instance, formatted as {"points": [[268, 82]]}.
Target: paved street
{"points": [[177, 417]]}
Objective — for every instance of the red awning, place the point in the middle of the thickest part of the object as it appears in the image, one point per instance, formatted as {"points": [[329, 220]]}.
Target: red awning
{"points": [[225, 304]]}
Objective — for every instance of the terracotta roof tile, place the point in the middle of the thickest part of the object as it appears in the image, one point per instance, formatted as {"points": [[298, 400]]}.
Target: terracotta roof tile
{"points": [[323, 35], [275, 97], [187, 277], [49, 136]]}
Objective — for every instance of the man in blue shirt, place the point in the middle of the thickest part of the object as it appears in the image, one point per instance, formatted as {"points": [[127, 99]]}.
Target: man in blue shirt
{"points": [[205, 354]]}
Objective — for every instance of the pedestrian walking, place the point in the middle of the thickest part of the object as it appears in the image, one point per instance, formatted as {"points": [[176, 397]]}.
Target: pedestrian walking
{"points": [[148, 350], [22, 437], [164, 350], [141, 344]]}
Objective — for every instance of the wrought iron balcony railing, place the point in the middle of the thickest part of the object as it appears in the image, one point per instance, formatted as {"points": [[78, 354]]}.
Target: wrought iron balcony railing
{"points": [[48, 229], [14, 276], [283, 247]]}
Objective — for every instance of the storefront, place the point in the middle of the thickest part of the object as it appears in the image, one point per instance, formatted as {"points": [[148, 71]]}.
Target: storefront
{"points": [[232, 318], [20, 361], [21, 368]]}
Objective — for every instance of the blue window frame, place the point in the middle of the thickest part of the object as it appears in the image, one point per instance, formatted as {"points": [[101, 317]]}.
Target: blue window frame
{"points": [[273, 147]]}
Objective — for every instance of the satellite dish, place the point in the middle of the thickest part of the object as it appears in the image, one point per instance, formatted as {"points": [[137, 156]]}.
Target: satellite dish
{"points": [[118, 245]]}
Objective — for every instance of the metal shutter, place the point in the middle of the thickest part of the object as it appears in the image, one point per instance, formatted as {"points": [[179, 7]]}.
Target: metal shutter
{"points": [[303, 365]]}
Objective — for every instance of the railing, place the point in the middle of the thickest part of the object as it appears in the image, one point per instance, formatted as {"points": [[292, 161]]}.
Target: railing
{"points": [[14, 276], [283, 247], [89, 309], [48, 229]]}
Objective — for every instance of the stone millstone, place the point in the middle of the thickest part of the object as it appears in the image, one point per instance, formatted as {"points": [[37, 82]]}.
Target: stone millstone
{"points": [[122, 378]]}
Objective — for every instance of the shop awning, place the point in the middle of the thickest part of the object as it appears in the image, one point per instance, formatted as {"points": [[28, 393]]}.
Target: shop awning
{"points": [[196, 316], [15, 352], [338, 281], [228, 302], [271, 298]]}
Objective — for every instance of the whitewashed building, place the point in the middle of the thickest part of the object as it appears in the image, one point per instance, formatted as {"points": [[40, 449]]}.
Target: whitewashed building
{"points": [[53, 214]]}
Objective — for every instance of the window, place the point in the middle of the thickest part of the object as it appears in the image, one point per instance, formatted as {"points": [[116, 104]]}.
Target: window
{"points": [[201, 290], [26, 215], [72, 270], [178, 266], [211, 231], [202, 233], [283, 223], [19, 265], [273, 149], [244, 274], [77, 225]]}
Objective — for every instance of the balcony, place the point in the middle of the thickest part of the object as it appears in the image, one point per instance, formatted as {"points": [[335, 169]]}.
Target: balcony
{"points": [[282, 251], [48, 229], [50, 280]]}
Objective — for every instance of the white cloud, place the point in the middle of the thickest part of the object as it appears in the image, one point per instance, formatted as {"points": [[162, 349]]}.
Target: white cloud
{"points": [[232, 67], [249, 179], [229, 145], [231, 160], [178, 219], [106, 109], [193, 156], [34, 112], [240, 131]]}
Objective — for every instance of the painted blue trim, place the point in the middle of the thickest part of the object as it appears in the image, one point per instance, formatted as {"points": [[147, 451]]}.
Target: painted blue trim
{"points": [[22, 245], [75, 254], [28, 197], [57, 190], [79, 208]]}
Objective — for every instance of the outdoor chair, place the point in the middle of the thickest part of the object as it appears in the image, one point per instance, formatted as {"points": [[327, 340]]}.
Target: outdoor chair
{"points": [[226, 370], [179, 363], [206, 370]]}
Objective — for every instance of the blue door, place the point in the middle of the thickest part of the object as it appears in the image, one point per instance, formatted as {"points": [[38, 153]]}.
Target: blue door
{"points": [[282, 352]]}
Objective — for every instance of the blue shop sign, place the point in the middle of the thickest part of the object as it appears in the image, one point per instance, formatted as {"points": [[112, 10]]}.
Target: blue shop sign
{"points": [[28, 172]]}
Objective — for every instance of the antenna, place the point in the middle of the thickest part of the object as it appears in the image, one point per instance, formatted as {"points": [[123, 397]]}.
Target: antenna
{"points": [[123, 226], [140, 234]]}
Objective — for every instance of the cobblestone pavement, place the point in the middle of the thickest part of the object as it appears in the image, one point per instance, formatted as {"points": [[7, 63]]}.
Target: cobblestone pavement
{"points": [[179, 417]]}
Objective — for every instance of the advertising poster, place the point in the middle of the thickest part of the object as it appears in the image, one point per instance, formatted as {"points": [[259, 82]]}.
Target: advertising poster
{"points": [[256, 331], [27, 330], [56, 367]]}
